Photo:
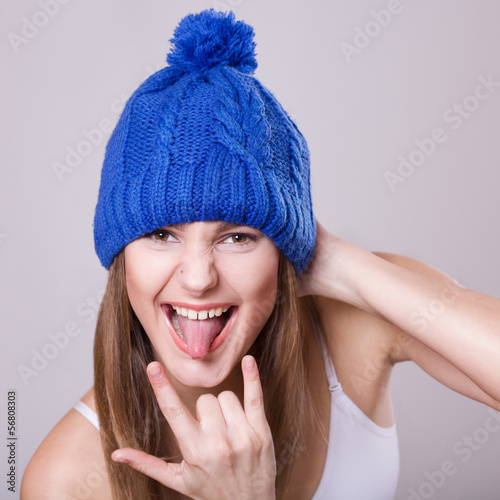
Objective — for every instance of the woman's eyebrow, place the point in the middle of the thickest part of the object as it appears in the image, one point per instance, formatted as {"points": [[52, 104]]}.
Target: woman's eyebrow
{"points": [[221, 226], [180, 226], [224, 226]]}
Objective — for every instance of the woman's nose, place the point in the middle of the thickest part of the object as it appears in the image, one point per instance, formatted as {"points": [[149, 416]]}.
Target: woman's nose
{"points": [[197, 274]]}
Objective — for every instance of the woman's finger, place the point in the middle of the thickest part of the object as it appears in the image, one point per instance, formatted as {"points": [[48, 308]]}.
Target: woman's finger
{"points": [[183, 424], [253, 398], [209, 414], [231, 409], [168, 474], [244, 438]]}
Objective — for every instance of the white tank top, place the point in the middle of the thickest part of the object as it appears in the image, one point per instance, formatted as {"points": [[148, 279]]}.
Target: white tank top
{"points": [[362, 461]]}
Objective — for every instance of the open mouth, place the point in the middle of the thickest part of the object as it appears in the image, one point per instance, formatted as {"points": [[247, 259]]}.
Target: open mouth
{"points": [[199, 332]]}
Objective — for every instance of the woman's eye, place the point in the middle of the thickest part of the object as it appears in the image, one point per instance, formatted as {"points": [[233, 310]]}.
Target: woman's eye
{"points": [[161, 235], [239, 238]]}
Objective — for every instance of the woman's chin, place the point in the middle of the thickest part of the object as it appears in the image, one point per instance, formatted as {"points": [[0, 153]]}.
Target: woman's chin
{"points": [[200, 374]]}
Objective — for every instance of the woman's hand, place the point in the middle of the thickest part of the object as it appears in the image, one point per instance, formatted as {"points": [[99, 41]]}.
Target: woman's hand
{"points": [[227, 450], [311, 281], [328, 273]]}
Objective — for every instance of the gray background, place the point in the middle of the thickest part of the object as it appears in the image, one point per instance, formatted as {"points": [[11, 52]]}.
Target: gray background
{"points": [[70, 76]]}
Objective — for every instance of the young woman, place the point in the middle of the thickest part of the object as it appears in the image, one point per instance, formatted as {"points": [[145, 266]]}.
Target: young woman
{"points": [[234, 337]]}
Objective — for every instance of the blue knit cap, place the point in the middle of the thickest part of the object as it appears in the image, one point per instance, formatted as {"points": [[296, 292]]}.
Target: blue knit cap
{"points": [[203, 140]]}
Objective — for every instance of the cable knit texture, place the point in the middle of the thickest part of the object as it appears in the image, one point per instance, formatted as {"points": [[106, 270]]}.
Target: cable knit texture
{"points": [[204, 140]]}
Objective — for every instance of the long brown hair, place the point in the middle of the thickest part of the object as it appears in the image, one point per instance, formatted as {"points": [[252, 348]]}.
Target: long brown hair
{"points": [[129, 414]]}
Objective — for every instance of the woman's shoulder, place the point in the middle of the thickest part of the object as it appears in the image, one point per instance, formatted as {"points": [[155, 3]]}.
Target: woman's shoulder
{"points": [[69, 463]]}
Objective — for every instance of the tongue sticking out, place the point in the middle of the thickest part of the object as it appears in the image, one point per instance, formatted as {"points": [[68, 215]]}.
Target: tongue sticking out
{"points": [[200, 334]]}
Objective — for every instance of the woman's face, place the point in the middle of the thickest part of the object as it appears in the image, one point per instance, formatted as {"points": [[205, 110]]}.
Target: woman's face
{"points": [[202, 291]]}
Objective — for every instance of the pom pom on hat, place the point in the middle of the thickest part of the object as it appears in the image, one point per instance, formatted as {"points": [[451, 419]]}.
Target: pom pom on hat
{"points": [[209, 39]]}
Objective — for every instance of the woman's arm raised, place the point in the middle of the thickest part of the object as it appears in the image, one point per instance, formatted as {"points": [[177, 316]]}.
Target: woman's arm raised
{"points": [[460, 325]]}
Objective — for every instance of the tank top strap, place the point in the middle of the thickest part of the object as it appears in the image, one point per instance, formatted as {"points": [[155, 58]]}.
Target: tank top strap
{"points": [[88, 413], [331, 375]]}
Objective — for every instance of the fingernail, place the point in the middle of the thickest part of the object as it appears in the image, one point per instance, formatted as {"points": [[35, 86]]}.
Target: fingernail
{"points": [[249, 363], [154, 370], [117, 457]]}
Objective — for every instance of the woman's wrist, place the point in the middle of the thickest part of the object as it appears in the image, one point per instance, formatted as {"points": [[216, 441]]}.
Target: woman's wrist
{"points": [[344, 271], [347, 272], [333, 271]]}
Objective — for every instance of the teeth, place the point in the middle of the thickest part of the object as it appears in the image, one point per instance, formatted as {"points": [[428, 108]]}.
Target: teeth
{"points": [[175, 322], [200, 315]]}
